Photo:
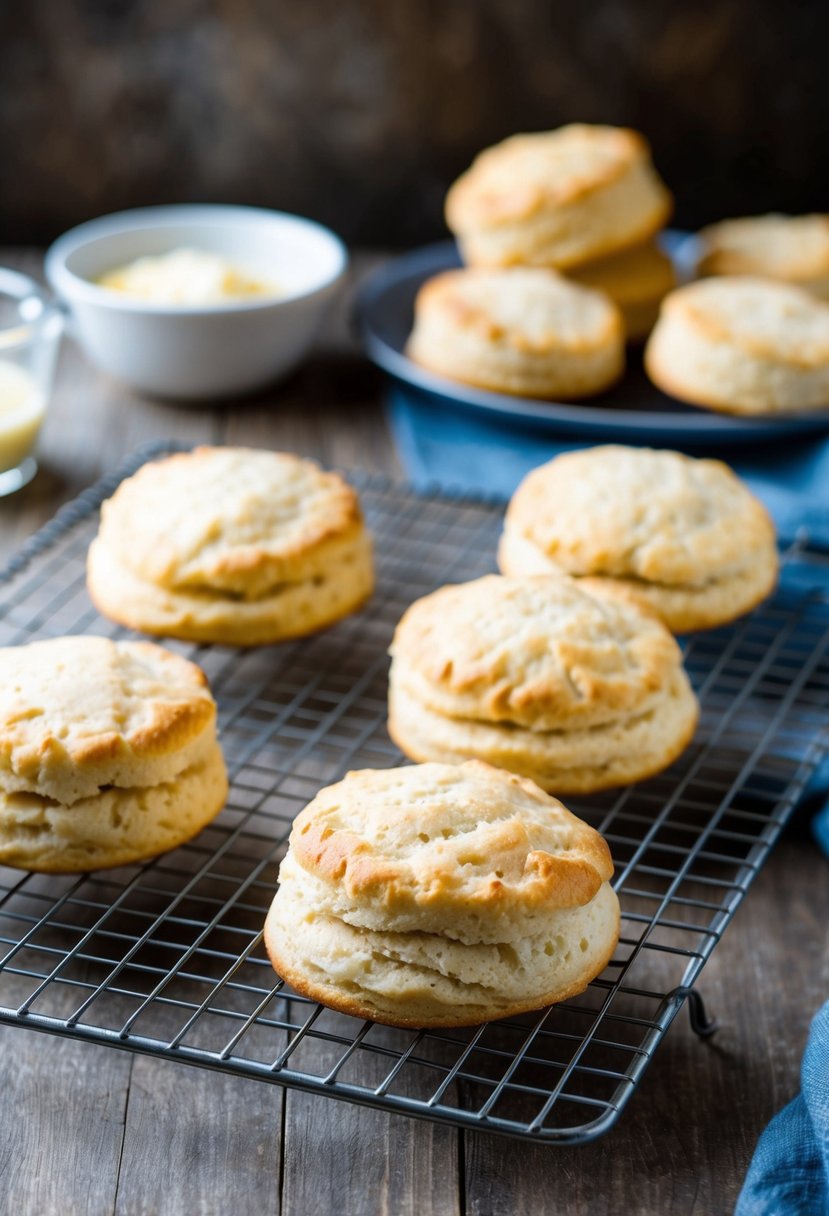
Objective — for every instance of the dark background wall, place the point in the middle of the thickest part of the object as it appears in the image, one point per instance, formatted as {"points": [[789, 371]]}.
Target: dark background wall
{"points": [[361, 112]]}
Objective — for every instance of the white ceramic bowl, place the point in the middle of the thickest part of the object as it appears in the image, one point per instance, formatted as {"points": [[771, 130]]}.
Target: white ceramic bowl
{"points": [[194, 353]]}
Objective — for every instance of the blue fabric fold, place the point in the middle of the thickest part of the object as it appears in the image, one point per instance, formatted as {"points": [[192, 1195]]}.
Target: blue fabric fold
{"points": [[455, 448], [789, 1173]]}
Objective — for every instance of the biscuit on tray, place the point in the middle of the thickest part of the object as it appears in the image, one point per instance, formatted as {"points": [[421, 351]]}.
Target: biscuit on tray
{"points": [[441, 895], [231, 545], [108, 753], [794, 248], [685, 535], [742, 346], [557, 198], [564, 681], [637, 281], [524, 331]]}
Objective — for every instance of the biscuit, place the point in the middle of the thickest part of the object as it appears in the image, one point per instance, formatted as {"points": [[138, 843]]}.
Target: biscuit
{"points": [[250, 547], [524, 331], [637, 281], [794, 248], [557, 198], [567, 682], [441, 895], [108, 753], [742, 346], [685, 535]]}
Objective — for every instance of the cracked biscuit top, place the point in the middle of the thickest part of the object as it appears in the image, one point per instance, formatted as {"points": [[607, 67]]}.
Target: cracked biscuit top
{"points": [[232, 521], [636, 513], [543, 652], [407, 845], [78, 714], [521, 175]]}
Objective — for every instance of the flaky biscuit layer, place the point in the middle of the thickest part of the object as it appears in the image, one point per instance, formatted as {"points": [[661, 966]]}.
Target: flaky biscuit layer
{"points": [[546, 653], [234, 520], [683, 608], [440, 895], [413, 848], [81, 713], [421, 979], [685, 534], [115, 827], [290, 610], [577, 761]]}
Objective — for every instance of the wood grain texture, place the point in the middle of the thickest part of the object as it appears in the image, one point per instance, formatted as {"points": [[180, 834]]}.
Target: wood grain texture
{"points": [[198, 1143], [92, 1130], [62, 1106], [62, 1112]]}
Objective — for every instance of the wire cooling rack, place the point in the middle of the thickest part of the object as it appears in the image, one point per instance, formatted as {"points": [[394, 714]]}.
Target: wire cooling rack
{"points": [[166, 958]]}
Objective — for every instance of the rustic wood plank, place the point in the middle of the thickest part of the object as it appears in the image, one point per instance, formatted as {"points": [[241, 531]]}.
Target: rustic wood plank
{"points": [[369, 1165], [344, 1158], [62, 1106], [198, 1143]]}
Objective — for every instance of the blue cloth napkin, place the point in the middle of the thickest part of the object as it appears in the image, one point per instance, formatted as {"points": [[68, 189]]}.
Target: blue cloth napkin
{"points": [[789, 1173]]}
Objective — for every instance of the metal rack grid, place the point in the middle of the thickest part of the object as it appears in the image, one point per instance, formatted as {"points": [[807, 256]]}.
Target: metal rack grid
{"points": [[166, 957]]}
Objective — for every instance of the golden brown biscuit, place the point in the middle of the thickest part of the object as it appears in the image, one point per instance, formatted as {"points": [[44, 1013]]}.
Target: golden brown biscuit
{"points": [[523, 331], [108, 753], [568, 683], [794, 248], [250, 547], [637, 281], [742, 346], [685, 535], [440, 895], [557, 198]]}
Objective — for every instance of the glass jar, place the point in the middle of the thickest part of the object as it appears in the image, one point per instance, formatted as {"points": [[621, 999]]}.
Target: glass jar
{"points": [[30, 332]]}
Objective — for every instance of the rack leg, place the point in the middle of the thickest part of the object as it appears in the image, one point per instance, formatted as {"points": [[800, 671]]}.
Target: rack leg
{"points": [[701, 1023]]}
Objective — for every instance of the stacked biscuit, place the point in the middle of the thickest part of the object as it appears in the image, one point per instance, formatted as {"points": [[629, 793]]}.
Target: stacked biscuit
{"points": [[108, 753], [566, 682], [441, 895], [231, 545], [684, 535], [581, 201]]}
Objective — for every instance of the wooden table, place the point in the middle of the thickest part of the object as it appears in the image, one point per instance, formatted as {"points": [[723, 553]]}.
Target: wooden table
{"points": [[91, 1130]]}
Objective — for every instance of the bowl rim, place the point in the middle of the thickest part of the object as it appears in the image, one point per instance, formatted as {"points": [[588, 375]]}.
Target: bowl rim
{"points": [[70, 286]]}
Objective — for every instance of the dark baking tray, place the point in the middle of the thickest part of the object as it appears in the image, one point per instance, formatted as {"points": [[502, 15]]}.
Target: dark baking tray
{"points": [[632, 411], [166, 958]]}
